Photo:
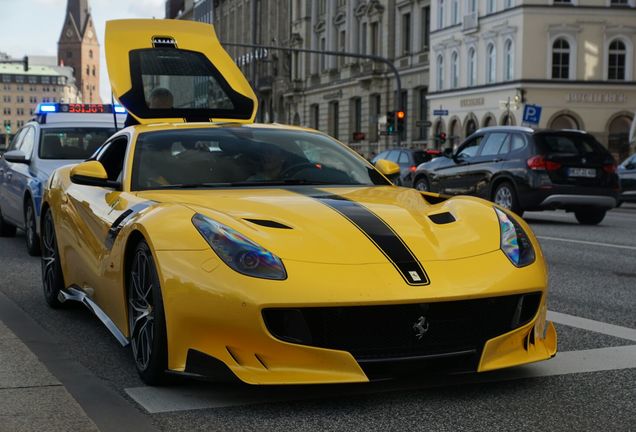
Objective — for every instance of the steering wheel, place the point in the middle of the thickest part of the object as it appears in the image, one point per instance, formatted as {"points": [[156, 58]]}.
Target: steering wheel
{"points": [[296, 168]]}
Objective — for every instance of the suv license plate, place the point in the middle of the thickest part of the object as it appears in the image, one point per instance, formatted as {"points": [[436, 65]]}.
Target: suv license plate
{"points": [[582, 172]]}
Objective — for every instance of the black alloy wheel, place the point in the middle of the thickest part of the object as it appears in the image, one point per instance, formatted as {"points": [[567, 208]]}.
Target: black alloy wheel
{"points": [[6, 229], [146, 317], [506, 197], [52, 277], [590, 216], [421, 184], [32, 240]]}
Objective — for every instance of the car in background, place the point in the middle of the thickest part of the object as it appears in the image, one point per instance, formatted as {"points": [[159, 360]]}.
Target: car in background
{"points": [[627, 176], [59, 134], [524, 169], [408, 160]]}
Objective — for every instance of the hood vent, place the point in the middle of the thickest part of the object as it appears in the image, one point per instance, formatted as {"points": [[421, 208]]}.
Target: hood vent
{"points": [[268, 223], [442, 218]]}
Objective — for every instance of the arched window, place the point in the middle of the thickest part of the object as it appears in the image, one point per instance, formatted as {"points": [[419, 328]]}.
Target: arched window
{"points": [[508, 61], [616, 60], [472, 67], [561, 59], [440, 72], [454, 70], [491, 64]]}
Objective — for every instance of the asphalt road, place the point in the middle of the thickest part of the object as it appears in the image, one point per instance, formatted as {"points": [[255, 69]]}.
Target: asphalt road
{"points": [[592, 276]]}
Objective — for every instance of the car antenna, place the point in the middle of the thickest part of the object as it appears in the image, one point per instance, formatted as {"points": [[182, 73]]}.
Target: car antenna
{"points": [[112, 100]]}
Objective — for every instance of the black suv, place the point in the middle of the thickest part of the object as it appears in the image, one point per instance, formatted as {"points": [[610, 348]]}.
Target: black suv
{"points": [[524, 169], [408, 160]]}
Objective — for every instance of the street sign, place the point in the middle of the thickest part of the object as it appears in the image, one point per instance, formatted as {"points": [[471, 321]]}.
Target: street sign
{"points": [[422, 123], [532, 114], [440, 112]]}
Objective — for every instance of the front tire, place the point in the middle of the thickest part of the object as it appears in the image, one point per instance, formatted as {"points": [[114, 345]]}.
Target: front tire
{"points": [[421, 184], [6, 229], [52, 276], [146, 318], [505, 196], [590, 216], [30, 229]]}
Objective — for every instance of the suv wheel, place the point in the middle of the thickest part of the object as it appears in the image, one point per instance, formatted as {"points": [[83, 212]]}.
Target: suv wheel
{"points": [[421, 184], [506, 197], [32, 240], [6, 230], [591, 216]]}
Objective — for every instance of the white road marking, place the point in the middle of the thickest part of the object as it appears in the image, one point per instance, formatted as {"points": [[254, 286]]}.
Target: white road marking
{"points": [[591, 325], [587, 242], [206, 396]]}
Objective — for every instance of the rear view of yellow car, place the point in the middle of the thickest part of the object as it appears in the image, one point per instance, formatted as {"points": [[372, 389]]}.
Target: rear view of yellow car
{"points": [[215, 245]]}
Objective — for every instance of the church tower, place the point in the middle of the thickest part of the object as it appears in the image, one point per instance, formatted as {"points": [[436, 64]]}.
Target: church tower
{"points": [[78, 47]]}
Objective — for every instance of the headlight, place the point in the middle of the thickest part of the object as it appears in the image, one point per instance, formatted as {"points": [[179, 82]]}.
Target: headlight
{"points": [[514, 240], [239, 252]]}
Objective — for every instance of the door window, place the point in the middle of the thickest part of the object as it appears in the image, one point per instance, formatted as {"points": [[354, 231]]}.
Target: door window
{"points": [[517, 142], [494, 143], [404, 158], [393, 155], [113, 156], [28, 142], [469, 149], [17, 140]]}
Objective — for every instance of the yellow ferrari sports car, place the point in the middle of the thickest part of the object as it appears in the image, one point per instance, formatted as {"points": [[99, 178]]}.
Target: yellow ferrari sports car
{"points": [[214, 245]]}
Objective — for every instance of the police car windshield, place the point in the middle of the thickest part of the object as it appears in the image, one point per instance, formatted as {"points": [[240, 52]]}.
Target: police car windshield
{"points": [[72, 143], [245, 157]]}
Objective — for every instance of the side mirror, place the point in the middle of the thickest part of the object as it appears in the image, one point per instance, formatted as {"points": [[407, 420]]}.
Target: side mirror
{"points": [[91, 173], [16, 156], [630, 166], [448, 152], [391, 170]]}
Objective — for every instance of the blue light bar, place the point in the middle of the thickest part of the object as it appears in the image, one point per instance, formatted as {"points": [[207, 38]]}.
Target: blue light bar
{"points": [[120, 109], [47, 108]]}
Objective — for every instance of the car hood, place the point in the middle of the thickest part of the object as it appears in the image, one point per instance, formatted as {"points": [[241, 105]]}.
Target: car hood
{"points": [[347, 225]]}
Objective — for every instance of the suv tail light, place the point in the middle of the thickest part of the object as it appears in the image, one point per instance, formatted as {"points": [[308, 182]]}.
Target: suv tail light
{"points": [[540, 162], [412, 168], [609, 168]]}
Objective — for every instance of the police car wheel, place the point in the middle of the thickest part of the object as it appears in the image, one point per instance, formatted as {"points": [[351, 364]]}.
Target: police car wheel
{"points": [[30, 230], [6, 229]]}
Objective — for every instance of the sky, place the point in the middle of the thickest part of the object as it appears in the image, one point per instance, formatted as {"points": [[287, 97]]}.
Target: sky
{"points": [[33, 27]]}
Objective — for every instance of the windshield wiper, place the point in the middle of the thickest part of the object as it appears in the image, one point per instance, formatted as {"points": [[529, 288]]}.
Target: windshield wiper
{"points": [[284, 182], [190, 185]]}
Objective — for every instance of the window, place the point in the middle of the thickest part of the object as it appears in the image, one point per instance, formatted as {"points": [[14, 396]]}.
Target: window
{"points": [[440, 72], [45, 80], [375, 38], [323, 58], [112, 157], [454, 70], [619, 3], [508, 61], [314, 112], [28, 142], [454, 11], [508, 4], [560, 59], [469, 149], [32, 80], [491, 64], [517, 142], [472, 67], [19, 78], [490, 6], [374, 108], [406, 33], [363, 39], [342, 45], [72, 143], [6, 78], [616, 60], [90, 54], [357, 114], [426, 26], [472, 6], [93, 71], [440, 14], [422, 113], [322, 7], [493, 144], [334, 117], [403, 158]]}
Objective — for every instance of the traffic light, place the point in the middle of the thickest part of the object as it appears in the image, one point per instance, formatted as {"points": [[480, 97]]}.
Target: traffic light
{"points": [[7, 129], [390, 122], [441, 137], [401, 120]]}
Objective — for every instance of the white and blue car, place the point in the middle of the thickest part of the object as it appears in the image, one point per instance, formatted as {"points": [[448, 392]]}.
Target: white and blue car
{"points": [[59, 134]]}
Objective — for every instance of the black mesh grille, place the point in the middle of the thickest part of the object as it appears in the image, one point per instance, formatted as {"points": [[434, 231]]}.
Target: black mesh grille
{"points": [[372, 333]]}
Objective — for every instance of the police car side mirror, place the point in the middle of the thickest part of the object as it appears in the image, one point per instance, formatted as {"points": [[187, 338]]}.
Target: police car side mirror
{"points": [[91, 173], [16, 156]]}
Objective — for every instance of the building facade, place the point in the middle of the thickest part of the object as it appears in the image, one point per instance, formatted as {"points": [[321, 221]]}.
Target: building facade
{"points": [[21, 91], [349, 97], [78, 48], [572, 58]]}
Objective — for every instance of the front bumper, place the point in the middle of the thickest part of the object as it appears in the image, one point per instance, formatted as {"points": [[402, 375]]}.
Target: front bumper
{"points": [[212, 310]]}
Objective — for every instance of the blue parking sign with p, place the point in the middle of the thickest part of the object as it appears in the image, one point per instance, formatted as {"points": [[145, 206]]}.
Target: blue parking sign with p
{"points": [[532, 114]]}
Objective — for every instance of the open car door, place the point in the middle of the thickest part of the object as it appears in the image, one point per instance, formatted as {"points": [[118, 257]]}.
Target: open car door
{"points": [[175, 71]]}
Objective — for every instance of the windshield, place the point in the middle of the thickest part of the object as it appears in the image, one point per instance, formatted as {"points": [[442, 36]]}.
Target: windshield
{"points": [[245, 156], [72, 143], [575, 144]]}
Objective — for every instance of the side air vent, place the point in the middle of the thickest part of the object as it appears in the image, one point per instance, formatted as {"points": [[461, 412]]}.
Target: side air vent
{"points": [[268, 223], [442, 218]]}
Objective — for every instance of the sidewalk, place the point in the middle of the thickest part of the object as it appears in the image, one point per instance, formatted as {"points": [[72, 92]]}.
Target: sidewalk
{"points": [[31, 398]]}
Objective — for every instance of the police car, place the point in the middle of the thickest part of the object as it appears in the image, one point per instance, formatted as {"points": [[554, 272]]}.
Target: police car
{"points": [[59, 134]]}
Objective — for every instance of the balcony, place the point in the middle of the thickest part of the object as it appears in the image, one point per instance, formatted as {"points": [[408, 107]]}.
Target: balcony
{"points": [[470, 24]]}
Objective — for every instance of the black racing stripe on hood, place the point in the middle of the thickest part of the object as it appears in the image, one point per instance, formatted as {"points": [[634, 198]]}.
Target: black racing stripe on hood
{"points": [[379, 232]]}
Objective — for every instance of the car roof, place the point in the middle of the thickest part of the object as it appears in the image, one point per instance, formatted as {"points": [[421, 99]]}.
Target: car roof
{"points": [[524, 129]]}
